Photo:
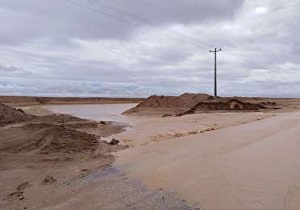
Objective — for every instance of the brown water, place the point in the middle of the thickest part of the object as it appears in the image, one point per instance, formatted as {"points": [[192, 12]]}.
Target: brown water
{"points": [[106, 112], [253, 166]]}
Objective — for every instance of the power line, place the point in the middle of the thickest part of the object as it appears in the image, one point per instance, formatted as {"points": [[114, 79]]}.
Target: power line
{"points": [[117, 9], [103, 13], [140, 19], [126, 21]]}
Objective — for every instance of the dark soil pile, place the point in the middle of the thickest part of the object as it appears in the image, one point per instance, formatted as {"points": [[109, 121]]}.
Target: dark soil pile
{"points": [[46, 139], [9, 115]]}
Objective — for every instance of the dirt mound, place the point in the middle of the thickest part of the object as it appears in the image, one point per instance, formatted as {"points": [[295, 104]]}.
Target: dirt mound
{"points": [[58, 118], [184, 101], [9, 115], [233, 105], [38, 111], [46, 139], [190, 103], [189, 99], [67, 121]]}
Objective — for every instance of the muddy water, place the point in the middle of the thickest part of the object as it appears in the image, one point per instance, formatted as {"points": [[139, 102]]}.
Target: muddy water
{"points": [[252, 166], [106, 112]]}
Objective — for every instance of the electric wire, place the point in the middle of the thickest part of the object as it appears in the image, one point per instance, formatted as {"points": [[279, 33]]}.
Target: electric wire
{"points": [[126, 14]]}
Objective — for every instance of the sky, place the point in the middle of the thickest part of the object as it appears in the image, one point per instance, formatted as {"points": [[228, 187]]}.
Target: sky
{"points": [[137, 48]]}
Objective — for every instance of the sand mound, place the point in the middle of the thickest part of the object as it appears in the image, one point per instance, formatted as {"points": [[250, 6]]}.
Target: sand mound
{"points": [[233, 105], [38, 111], [184, 101], [190, 103], [9, 115], [67, 121], [58, 118], [46, 139]]}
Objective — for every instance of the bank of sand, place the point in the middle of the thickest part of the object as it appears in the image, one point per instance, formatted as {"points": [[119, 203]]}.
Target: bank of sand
{"points": [[61, 162], [248, 166]]}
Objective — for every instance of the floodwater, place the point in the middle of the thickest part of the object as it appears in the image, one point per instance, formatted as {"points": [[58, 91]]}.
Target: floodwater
{"points": [[252, 166], [105, 112]]}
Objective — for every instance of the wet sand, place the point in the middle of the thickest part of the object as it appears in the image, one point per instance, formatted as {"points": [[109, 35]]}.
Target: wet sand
{"points": [[249, 166]]}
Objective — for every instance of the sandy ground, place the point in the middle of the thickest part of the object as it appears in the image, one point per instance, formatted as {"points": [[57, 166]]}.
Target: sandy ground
{"points": [[212, 161], [79, 183], [47, 164], [247, 166]]}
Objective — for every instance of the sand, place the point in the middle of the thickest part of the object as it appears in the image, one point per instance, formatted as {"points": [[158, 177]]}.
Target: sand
{"points": [[46, 139], [192, 103], [61, 162], [202, 103], [37, 111], [249, 166], [9, 115], [212, 161]]}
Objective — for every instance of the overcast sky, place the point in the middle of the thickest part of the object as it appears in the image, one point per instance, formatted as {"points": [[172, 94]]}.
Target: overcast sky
{"points": [[134, 48]]}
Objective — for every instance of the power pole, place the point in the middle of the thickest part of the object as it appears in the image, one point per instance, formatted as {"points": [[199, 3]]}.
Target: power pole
{"points": [[215, 51]]}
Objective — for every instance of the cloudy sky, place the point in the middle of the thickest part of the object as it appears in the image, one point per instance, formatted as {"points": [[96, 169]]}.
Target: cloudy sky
{"points": [[135, 48]]}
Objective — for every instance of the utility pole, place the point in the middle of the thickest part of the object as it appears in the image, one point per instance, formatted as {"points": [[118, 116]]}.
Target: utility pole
{"points": [[215, 51]]}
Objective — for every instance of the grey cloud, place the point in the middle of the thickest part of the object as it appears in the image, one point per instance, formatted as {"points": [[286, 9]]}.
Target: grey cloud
{"points": [[13, 71], [44, 87], [188, 11], [73, 51], [9, 68], [61, 20]]}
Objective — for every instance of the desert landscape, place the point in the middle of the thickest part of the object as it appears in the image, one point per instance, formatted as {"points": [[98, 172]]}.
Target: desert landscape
{"points": [[149, 105], [192, 151]]}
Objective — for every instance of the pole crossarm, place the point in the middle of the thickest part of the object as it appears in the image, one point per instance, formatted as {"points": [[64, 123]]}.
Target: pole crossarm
{"points": [[215, 51]]}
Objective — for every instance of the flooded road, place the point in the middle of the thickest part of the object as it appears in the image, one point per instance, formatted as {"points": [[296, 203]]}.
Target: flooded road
{"points": [[253, 166]]}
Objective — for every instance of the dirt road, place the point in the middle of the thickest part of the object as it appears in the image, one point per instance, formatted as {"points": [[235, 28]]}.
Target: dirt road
{"points": [[250, 166]]}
